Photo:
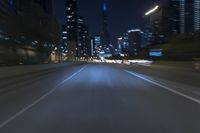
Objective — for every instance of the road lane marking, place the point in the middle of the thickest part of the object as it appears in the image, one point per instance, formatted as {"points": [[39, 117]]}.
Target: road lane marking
{"points": [[165, 87], [39, 100]]}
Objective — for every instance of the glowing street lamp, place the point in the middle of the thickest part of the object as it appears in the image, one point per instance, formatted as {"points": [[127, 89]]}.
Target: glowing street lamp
{"points": [[120, 38], [152, 10]]}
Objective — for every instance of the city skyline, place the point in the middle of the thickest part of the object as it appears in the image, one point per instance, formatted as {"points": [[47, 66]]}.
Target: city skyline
{"points": [[130, 16], [158, 25]]}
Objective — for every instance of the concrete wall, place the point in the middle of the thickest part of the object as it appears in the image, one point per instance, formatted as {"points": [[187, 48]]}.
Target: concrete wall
{"points": [[6, 72], [15, 54]]}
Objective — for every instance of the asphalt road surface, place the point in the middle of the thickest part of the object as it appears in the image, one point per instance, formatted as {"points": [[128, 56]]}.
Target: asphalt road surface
{"points": [[95, 98]]}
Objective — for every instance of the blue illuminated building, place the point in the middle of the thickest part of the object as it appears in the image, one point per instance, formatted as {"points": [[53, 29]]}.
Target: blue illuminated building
{"points": [[105, 36], [185, 16], [125, 45], [196, 15]]}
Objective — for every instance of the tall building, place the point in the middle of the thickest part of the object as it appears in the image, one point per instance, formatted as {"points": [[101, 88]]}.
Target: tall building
{"points": [[125, 45], [189, 16], [175, 18], [97, 44], [83, 48], [46, 5], [6, 13], [118, 49], [135, 41], [159, 25], [196, 15], [81, 37], [92, 48], [33, 19], [5, 9], [30, 25], [182, 16], [185, 15], [148, 36], [64, 36], [105, 36], [72, 33], [97, 40], [22, 6]]}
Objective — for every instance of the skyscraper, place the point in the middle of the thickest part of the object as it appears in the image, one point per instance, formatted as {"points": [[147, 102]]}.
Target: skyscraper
{"points": [[46, 5], [6, 12], [185, 15], [158, 29], [5, 8], [97, 41], [24, 5], [125, 45], [182, 15], [71, 13], [196, 15], [135, 41], [105, 37], [175, 16], [97, 44], [83, 48], [189, 16], [64, 36]]}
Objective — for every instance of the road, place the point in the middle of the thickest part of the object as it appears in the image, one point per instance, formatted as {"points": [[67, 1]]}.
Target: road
{"points": [[96, 98]]}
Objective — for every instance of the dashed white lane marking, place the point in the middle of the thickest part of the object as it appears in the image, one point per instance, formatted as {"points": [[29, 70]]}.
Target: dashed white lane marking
{"points": [[165, 87], [39, 100]]}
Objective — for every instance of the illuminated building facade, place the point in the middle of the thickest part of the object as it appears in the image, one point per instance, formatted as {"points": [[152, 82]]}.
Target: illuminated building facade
{"points": [[84, 44], [185, 16], [64, 35], [71, 13], [175, 18], [196, 15]]}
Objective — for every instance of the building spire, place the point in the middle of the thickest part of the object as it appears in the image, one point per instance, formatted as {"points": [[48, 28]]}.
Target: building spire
{"points": [[104, 7]]}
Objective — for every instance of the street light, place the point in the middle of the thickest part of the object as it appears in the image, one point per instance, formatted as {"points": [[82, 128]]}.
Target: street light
{"points": [[120, 38], [152, 10]]}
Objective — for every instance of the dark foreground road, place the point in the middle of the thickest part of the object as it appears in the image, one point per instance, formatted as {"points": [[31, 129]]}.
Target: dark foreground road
{"points": [[95, 98]]}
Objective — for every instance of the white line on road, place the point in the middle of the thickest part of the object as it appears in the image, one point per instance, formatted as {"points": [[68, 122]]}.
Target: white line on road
{"points": [[165, 87], [38, 100]]}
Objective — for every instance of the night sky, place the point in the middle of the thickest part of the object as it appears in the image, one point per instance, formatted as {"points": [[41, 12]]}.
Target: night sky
{"points": [[122, 14]]}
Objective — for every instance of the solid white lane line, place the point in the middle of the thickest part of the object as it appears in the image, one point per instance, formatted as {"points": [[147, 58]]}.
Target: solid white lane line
{"points": [[38, 100], [165, 87]]}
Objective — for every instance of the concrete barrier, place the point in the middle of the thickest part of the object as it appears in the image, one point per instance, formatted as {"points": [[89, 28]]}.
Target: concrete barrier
{"points": [[9, 71]]}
